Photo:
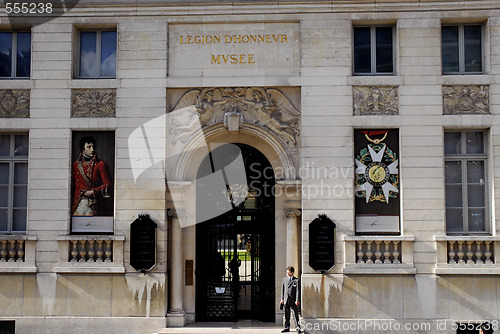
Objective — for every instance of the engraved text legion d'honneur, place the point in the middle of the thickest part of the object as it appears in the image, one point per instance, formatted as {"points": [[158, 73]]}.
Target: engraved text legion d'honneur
{"points": [[233, 58]]}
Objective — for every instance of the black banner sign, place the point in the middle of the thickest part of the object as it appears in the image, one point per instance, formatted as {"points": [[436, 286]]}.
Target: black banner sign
{"points": [[322, 243], [143, 243]]}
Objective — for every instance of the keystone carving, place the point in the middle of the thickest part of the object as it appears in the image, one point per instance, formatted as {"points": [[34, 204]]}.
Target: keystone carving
{"points": [[93, 103], [14, 103], [375, 100], [265, 107], [466, 99]]}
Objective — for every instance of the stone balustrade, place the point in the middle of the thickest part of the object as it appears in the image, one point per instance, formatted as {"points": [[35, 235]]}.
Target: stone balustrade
{"points": [[378, 251], [379, 255], [470, 251], [90, 254], [17, 253], [12, 250], [467, 255], [90, 251]]}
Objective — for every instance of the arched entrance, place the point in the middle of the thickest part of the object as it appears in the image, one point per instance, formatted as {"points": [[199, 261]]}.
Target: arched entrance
{"points": [[235, 251]]}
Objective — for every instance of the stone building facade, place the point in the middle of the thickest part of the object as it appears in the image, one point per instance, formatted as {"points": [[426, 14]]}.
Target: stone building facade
{"points": [[379, 115]]}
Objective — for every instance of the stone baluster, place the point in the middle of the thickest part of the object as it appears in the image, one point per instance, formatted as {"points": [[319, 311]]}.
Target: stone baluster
{"points": [[451, 252], [488, 253], [360, 252], [479, 252], [74, 250], [12, 250], [83, 251], [108, 251], [469, 252], [461, 252], [396, 252], [99, 251], [3, 251], [91, 250], [387, 252], [369, 252], [378, 253], [20, 251]]}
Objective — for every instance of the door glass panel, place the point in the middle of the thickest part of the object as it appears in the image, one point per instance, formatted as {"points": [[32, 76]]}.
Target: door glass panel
{"points": [[475, 172], [452, 143], [20, 196], [4, 145], [108, 53], [454, 220], [88, 54], [476, 220], [476, 195], [23, 54], [362, 53], [5, 54], [4, 173], [21, 173], [4, 196], [472, 49], [22, 142], [453, 196], [449, 49], [384, 50], [474, 142], [3, 220], [453, 172], [19, 220]]}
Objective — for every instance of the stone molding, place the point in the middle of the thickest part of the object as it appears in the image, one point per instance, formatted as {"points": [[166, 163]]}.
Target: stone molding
{"points": [[93, 103], [375, 100], [15, 103], [465, 99], [264, 107]]}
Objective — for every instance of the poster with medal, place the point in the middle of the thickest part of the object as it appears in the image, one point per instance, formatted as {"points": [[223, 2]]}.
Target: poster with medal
{"points": [[92, 169], [377, 186]]}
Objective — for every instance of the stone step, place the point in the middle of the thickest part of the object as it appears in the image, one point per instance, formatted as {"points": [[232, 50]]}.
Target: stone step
{"points": [[240, 327]]}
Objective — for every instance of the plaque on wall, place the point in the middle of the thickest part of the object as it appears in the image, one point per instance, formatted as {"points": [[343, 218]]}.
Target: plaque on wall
{"points": [[143, 243], [322, 243]]}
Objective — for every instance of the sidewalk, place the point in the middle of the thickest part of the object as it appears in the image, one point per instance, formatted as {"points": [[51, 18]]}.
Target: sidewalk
{"points": [[240, 327]]}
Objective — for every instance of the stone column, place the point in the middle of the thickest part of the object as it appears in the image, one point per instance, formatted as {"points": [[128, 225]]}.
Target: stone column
{"points": [[176, 317], [292, 240]]}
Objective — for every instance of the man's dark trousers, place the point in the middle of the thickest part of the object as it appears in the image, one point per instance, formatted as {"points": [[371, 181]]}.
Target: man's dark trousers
{"points": [[291, 305]]}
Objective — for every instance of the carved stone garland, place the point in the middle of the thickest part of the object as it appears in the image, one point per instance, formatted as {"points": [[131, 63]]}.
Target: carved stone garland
{"points": [[375, 100], [466, 99], [14, 103], [93, 103], [265, 107]]}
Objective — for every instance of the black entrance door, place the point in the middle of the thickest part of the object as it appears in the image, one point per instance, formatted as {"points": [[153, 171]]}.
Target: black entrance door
{"points": [[235, 250]]}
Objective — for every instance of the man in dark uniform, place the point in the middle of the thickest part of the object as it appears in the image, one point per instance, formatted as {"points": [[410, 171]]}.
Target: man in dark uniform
{"points": [[290, 298]]}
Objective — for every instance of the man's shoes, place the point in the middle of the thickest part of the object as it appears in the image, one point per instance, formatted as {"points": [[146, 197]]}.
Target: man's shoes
{"points": [[299, 330], [286, 330]]}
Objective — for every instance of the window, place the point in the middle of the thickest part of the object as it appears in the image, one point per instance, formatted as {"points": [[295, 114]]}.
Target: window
{"points": [[97, 54], [13, 182], [465, 182], [462, 50], [373, 50], [15, 54]]}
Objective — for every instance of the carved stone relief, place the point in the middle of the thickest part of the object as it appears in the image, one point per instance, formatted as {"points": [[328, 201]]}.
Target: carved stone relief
{"points": [[466, 99], [15, 103], [265, 107], [93, 103], [375, 100]]}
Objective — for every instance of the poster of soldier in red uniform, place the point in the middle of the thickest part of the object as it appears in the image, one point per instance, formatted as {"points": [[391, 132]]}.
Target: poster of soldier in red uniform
{"points": [[92, 182]]}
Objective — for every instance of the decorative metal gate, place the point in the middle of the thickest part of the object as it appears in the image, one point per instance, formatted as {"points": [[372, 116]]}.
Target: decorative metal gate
{"points": [[235, 252]]}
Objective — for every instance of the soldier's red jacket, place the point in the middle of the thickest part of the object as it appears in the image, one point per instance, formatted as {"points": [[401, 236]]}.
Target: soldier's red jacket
{"points": [[96, 178]]}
